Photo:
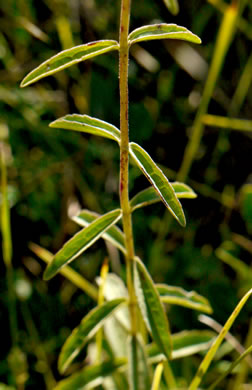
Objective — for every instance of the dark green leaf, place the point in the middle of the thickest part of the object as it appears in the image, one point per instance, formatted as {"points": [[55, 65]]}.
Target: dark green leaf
{"points": [[113, 234], [150, 196], [139, 376], [87, 124], [92, 375], [159, 181], [172, 6], [179, 296], [85, 331], [69, 57], [151, 308], [162, 31], [81, 241]]}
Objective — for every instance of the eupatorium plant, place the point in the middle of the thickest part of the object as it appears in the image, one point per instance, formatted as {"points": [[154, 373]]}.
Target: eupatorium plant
{"points": [[136, 345]]}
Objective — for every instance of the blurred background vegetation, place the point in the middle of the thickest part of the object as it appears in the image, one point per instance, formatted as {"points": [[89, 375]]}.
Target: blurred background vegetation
{"points": [[53, 173]]}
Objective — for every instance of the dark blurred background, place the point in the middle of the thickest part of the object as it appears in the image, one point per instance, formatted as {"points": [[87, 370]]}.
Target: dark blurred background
{"points": [[52, 173]]}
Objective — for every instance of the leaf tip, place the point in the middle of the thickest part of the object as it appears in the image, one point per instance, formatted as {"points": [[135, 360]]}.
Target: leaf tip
{"points": [[23, 83], [62, 366], [48, 274], [54, 123]]}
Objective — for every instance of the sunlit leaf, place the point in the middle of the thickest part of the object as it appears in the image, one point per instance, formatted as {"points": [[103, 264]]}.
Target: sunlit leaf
{"points": [[179, 296], [150, 196], [81, 241], [90, 376], [172, 6], [139, 376], [69, 57], [157, 376], [212, 351], [113, 234], [85, 331], [185, 343], [151, 308], [162, 31], [159, 181], [87, 124]]}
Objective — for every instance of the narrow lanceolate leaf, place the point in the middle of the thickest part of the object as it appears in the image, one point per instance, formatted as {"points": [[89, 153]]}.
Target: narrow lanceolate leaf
{"points": [[212, 351], [81, 241], [230, 369], [113, 234], [87, 124], [179, 296], [85, 331], [90, 377], [150, 196], [186, 343], [139, 376], [162, 31], [159, 181], [172, 6], [151, 308], [69, 57]]}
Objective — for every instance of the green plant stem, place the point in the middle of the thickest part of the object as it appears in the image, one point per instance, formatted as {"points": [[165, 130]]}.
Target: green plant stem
{"points": [[124, 156]]}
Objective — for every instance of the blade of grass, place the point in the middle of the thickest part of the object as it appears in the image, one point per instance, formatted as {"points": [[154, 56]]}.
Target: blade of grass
{"points": [[224, 39], [245, 369], [227, 123], [242, 88], [229, 337], [233, 365], [242, 269], [7, 248], [172, 6], [157, 376], [212, 351]]}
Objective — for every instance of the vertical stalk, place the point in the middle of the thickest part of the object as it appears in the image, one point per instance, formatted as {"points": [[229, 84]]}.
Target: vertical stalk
{"points": [[124, 155], [224, 39], [7, 249]]}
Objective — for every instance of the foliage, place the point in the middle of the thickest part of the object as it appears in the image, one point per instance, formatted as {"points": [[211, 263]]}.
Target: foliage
{"points": [[51, 172]]}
